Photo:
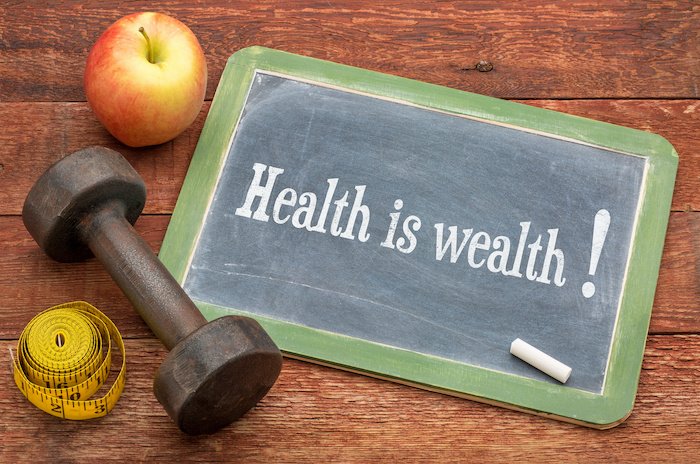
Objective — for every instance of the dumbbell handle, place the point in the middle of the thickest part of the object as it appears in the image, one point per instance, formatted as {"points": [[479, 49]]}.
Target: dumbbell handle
{"points": [[153, 291]]}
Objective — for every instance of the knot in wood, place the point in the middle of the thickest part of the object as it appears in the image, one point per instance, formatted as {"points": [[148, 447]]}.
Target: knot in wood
{"points": [[484, 66]]}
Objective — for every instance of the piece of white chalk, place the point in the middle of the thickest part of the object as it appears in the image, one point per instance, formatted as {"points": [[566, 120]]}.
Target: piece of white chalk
{"points": [[540, 360]]}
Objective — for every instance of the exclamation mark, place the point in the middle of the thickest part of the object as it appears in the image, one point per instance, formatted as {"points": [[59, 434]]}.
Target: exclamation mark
{"points": [[600, 231]]}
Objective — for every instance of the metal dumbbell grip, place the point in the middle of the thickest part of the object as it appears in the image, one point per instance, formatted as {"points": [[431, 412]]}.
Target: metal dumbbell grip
{"points": [[153, 291]]}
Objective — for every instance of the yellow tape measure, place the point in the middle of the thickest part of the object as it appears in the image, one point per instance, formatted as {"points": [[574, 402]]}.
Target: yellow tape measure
{"points": [[64, 356]]}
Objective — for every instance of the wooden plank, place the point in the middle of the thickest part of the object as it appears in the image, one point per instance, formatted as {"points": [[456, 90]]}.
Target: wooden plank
{"points": [[35, 135], [676, 302], [32, 282], [318, 414], [538, 49]]}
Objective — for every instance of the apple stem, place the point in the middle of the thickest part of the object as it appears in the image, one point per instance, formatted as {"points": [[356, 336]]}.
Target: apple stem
{"points": [[148, 43]]}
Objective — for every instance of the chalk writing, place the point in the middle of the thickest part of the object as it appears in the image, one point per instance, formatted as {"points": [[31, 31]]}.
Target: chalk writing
{"points": [[533, 257]]}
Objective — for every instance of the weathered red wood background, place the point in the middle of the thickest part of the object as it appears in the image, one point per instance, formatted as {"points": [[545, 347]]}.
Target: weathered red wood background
{"points": [[631, 63]]}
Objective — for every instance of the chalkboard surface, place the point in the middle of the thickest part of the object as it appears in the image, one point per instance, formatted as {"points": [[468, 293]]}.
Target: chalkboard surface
{"points": [[376, 221]]}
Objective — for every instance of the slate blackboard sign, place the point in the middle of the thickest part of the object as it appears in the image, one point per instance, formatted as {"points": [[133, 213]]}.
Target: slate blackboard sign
{"points": [[413, 232]]}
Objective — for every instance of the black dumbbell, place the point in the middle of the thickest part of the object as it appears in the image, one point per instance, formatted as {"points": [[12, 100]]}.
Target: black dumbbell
{"points": [[84, 205]]}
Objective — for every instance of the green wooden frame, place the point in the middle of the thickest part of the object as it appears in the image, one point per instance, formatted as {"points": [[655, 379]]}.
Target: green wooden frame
{"points": [[595, 410]]}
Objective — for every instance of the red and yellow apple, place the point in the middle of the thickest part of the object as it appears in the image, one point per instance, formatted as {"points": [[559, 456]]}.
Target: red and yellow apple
{"points": [[145, 78]]}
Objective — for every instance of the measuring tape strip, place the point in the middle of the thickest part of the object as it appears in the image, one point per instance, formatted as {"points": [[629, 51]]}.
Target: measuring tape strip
{"points": [[63, 358]]}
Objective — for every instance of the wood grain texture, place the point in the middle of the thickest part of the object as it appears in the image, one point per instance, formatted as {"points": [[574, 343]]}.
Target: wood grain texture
{"points": [[35, 135], [538, 49], [320, 414], [629, 63], [33, 282]]}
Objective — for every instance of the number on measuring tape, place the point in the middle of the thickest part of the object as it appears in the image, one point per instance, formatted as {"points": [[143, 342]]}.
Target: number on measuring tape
{"points": [[68, 348]]}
